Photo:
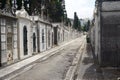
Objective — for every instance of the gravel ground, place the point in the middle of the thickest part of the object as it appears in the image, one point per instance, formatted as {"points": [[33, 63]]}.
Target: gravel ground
{"points": [[53, 68]]}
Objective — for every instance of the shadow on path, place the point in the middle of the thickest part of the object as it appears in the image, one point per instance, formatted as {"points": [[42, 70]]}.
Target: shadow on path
{"points": [[90, 72], [94, 72]]}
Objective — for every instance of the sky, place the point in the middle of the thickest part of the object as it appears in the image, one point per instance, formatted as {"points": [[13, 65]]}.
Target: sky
{"points": [[84, 8]]}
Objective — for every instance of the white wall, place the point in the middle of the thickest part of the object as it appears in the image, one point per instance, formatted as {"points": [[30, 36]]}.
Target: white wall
{"points": [[42, 26], [49, 28], [15, 43], [5, 22], [97, 35], [25, 22]]}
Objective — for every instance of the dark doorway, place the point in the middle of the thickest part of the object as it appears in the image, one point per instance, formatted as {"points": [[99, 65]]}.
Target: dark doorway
{"points": [[34, 42], [25, 40], [38, 40], [55, 36], [49, 39], [63, 35], [52, 39]]}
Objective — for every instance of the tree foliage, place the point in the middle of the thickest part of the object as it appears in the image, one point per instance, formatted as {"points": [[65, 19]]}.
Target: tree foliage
{"points": [[68, 22], [52, 8], [55, 10], [19, 4], [86, 26], [35, 7], [3, 2], [76, 22]]}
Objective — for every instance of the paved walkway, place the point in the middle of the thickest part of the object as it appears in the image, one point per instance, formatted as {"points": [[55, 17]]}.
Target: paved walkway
{"points": [[78, 56], [86, 67], [14, 67], [53, 68], [87, 70]]}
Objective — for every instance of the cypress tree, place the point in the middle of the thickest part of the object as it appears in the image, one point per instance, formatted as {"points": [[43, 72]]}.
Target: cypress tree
{"points": [[76, 22], [88, 25]]}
